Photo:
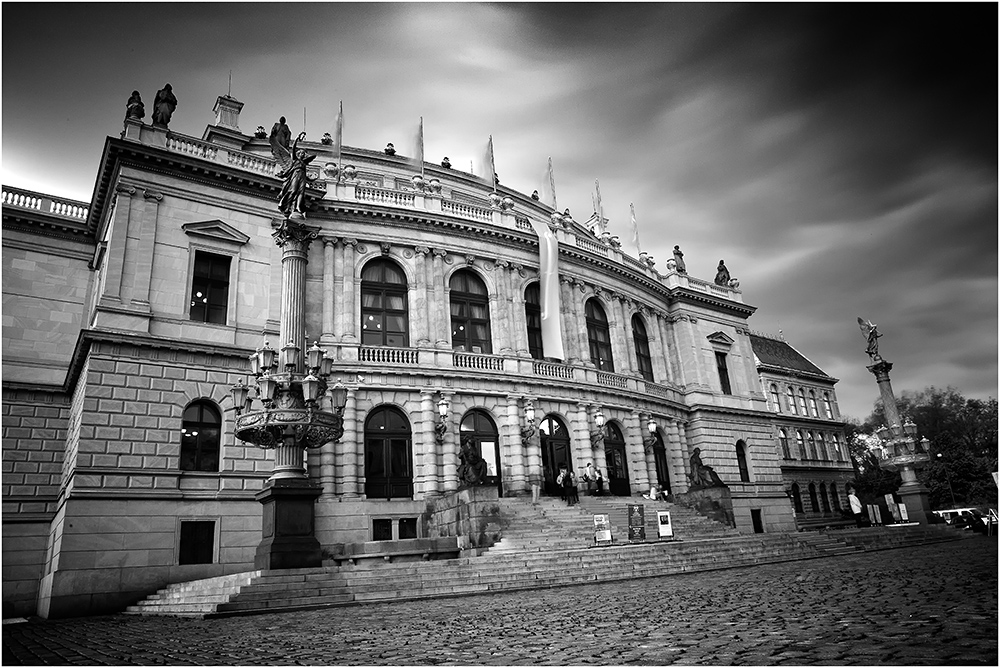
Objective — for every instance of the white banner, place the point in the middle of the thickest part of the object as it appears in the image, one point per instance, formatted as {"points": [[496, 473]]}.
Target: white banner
{"points": [[548, 252]]}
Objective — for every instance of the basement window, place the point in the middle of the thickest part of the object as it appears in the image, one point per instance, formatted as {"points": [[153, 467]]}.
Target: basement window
{"points": [[197, 542]]}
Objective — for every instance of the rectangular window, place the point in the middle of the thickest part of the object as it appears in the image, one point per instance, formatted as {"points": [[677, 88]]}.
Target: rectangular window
{"points": [[407, 527], [382, 529], [197, 542], [720, 362], [210, 288]]}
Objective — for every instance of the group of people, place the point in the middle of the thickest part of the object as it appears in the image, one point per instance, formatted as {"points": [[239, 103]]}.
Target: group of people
{"points": [[566, 481]]}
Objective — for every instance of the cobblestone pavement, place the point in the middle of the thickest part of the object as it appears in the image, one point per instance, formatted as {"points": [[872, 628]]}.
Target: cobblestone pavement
{"points": [[931, 605]]}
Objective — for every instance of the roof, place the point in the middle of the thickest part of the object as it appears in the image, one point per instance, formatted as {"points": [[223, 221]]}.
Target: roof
{"points": [[776, 353]]}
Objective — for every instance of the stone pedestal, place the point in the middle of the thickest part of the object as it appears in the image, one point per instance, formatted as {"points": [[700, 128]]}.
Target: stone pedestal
{"points": [[914, 495], [288, 534]]}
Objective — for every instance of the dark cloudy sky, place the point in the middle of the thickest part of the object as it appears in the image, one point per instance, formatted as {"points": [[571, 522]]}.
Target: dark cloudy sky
{"points": [[842, 159]]}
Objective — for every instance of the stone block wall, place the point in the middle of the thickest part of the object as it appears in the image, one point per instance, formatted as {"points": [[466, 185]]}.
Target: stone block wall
{"points": [[471, 514], [34, 435]]}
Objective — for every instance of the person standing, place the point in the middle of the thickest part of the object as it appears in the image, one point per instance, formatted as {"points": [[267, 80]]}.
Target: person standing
{"points": [[855, 502]]}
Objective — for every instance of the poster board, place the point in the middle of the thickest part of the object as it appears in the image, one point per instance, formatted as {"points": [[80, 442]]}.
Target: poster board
{"points": [[602, 530], [663, 524], [636, 522]]}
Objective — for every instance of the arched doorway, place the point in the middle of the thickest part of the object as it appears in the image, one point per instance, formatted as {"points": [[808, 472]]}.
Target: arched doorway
{"points": [[797, 498], [388, 455], [555, 452], [660, 460], [478, 426], [616, 464]]}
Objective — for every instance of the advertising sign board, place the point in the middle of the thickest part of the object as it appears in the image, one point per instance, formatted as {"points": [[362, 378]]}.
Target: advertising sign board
{"points": [[666, 529], [636, 522], [602, 530]]}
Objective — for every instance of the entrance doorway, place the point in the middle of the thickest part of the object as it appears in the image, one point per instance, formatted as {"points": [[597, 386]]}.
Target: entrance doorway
{"points": [[555, 451], [660, 459], [616, 466], [478, 426]]}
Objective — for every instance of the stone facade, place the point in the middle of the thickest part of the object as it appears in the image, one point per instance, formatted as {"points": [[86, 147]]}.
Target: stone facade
{"points": [[104, 359]]}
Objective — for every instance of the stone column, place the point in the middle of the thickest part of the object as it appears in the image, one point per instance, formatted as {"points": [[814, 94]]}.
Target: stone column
{"points": [[518, 318], [571, 341], [669, 350], [511, 435], [420, 322], [597, 441], [350, 315], [675, 458], [329, 290], [145, 242], [581, 438], [635, 452], [648, 441], [440, 310], [685, 449], [531, 442], [115, 262], [657, 348], [449, 448], [337, 298], [631, 366], [428, 447], [352, 444], [327, 469]]}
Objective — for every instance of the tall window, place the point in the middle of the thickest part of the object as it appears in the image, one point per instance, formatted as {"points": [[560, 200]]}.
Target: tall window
{"points": [[201, 427], [478, 427], [615, 460], [388, 455], [827, 406], [383, 305], [642, 356], [836, 447], [721, 365], [791, 401], [802, 402], [812, 404], [800, 444], [599, 337], [775, 398], [797, 498], [812, 497], [834, 496], [741, 460], [533, 315], [822, 497], [470, 313], [783, 438], [210, 287], [812, 446]]}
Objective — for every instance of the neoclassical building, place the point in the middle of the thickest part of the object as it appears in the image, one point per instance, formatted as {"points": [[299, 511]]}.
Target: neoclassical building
{"points": [[127, 319]]}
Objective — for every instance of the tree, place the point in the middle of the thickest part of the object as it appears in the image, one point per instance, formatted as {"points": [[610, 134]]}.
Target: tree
{"points": [[963, 444]]}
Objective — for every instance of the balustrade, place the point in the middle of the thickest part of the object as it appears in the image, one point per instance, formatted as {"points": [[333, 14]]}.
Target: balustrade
{"points": [[26, 199], [253, 163], [478, 362], [592, 246], [384, 196], [467, 211], [612, 380], [380, 355], [552, 370], [188, 146]]}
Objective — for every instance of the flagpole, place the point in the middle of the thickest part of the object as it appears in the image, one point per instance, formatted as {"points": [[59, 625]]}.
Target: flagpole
{"points": [[340, 143]]}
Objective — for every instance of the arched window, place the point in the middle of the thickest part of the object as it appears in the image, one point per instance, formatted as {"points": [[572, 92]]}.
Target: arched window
{"points": [[812, 446], [642, 356], [599, 337], [479, 428], [615, 460], [812, 497], [827, 406], [783, 438], [821, 446], [800, 444], [555, 451], [797, 498], [822, 496], [660, 462], [812, 404], [533, 315], [388, 455], [741, 460], [791, 401], [470, 313], [775, 398], [384, 320], [834, 496], [802, 402], [201, 430]]}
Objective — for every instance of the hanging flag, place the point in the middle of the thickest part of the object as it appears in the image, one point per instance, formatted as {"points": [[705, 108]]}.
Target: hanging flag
{"points": [[549, 187], [418, 149], [635, 230], [548, 270], [599, 208], [488, 167], [338, 141]]}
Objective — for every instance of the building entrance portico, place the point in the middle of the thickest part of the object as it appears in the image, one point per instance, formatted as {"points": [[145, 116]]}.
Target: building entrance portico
{"points": [[555, 452], [616, 466]]}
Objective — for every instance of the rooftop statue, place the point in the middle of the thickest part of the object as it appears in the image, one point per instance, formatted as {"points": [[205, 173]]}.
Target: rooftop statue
{"points": [[446, 163], [280, 137], [722, 274], [134, 108], [870, 330], [163, 106], [390, 149], [291, 199], [679, 260]]}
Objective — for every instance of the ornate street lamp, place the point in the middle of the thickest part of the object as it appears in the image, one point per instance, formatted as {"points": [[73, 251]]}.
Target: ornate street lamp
{"points": [[529, 429], [441, 427]]}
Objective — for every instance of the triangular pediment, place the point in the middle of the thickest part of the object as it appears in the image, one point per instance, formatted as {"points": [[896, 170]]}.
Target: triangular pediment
{"points": [[721, 338], [216, 229]]}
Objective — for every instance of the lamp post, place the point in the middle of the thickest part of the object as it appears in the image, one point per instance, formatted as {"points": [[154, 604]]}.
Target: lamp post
{"points": [[441, 427], [299, 410], [947, 475], [902, 450]]}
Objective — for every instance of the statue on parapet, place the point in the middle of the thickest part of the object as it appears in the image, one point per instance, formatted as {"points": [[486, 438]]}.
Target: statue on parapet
{"points": [[703, 475], [722, 274], [291, 198], [280, 137], [472, 469], [134, 108], [870, 330], [679, 260], [163, 106]]}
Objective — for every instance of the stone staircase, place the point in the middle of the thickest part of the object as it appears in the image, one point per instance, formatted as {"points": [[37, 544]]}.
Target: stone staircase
{"points": [[544, 545], [687, 523], [870, 539]]}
